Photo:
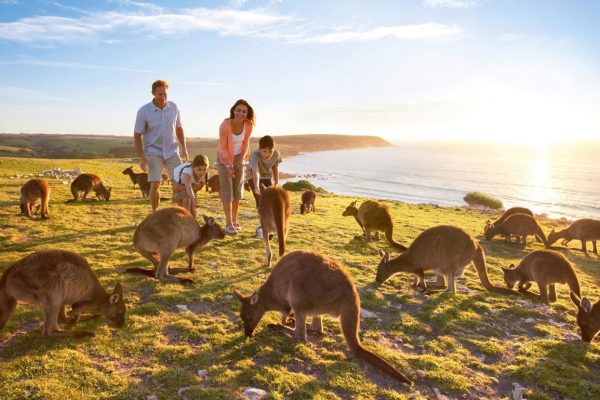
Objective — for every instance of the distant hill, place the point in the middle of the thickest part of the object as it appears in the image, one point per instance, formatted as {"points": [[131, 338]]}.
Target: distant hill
{"points": [[94, 146]]}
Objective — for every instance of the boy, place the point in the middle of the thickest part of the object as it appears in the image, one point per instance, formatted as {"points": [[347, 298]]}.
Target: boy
{"points": [[263, 166]]}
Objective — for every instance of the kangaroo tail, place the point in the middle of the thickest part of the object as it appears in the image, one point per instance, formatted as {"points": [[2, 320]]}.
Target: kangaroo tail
{"points": [[540, 233], [7, 303], [280, 224], [481, 267], [143, 271], [388, 235], [45, 201], [350, 325]]}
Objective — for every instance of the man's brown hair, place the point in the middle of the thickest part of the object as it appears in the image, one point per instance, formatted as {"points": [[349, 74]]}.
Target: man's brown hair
{"points": [[158, 84]]}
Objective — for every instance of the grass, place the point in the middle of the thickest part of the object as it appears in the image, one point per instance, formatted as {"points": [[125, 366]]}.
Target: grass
{"points": [[470, 345]]}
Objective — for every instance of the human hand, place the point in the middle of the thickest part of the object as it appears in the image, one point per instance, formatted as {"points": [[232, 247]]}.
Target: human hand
{"points": [[184, 155], [144, 164], [231, 171]]}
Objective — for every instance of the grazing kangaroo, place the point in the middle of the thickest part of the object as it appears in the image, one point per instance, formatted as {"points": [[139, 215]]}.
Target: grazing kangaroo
{"points": [[373, 216], [86, 183], [54, 279], [274, 211], [310, 284], [546, 268], [140, 179], [213, 185], [308, 201], [166, 230], [445, 249], [582, 229], [520, 225], [588, 317], [35, 193], [507, 213]]}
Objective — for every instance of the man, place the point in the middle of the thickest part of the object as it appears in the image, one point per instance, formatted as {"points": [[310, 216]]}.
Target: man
{"points": [[159, 138]]}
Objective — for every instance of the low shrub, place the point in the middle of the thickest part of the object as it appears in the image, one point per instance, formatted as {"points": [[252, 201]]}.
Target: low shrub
{"points": [[482, 199], [301, 186]]}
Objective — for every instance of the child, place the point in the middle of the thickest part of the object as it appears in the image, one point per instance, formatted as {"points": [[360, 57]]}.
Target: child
{"points": [[263, 166], [187, 179]]}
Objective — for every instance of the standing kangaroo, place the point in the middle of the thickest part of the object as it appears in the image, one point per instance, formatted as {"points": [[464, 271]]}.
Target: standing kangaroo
{"points": [[310, 284], [588, 317], [140, 179], [445, 249], [373, 216], [35, 193], [86, 183], [507, 213], [582, 229], [308, 201], [166, 230], [274, 211], [546, 268], [54, 279], [520, 225]]}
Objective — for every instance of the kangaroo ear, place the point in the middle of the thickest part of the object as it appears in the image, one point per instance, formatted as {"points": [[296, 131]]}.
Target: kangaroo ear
{"points": [[205, 218], [238, 295], [116, 295], [586, 304], [511, 266], [381, 253], [505, 270], [254, 298], [575, 299], [211, 221]]}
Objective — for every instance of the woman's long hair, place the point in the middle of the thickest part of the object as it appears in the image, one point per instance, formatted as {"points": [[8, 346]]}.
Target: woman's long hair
{"points": [[249, 116]]}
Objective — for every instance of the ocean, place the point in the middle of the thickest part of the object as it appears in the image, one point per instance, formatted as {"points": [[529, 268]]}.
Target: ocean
{"points": [[556, 180]]}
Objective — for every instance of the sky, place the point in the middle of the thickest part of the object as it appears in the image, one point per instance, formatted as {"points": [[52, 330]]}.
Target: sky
{"points": [[425, 70]]}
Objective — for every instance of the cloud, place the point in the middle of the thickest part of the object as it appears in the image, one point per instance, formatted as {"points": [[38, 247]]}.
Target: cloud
{"points": [[21, 93], [452, 3], [425, 31], [201, 83], [74, 65]]}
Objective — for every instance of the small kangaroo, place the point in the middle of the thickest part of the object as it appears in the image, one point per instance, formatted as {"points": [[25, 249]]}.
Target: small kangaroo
{"points": [[373, 216], [166, 230], [582, 229], [520, 225], [86, 183], [54, 279], [546, 268], [588, 317], [308, 201], [140, 179], [274, 211], [35, 193], [507, 213], [310, 284], [213, 185], [445, 249]]}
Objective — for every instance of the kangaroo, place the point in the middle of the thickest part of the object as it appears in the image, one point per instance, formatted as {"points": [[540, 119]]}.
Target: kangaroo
{"points": [[166, 230], [582, 229], [274, 211], [520, 225], [86, 183], [140, 179], [588, 316], [310, 284], [445, 249], [35, 193], [546, 268], [213, 185], [308, 201], [54, 279], [507, 213], [373, 216]]}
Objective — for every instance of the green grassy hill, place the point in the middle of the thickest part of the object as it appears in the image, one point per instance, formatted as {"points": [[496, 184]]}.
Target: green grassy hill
{"points": [[96, 146], [471, 345]]}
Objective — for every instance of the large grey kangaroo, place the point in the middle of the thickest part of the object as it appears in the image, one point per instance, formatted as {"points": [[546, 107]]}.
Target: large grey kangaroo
{"points": [[35, 193], [274, 210], [373, 217], [311, 285], [54, 279]]}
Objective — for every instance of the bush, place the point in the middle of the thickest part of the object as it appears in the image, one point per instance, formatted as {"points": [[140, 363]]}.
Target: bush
{"points": [[301, 186], [482, 199]]}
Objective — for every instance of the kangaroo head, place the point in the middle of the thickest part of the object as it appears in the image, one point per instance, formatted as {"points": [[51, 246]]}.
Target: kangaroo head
{"points": [[552, 237], [350, 210], [214, 231], [510, 276], [116, 306], [384, 270], [588, 317], [128, 170], [490, 233], [487, 226], [251, 312], [303, 208]]}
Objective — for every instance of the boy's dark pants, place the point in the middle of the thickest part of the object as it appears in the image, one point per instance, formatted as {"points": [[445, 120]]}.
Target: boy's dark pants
{"points": [[264, 182]]}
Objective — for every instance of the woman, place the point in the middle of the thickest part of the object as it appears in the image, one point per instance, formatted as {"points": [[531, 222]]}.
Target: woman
{"points": [[234, 137], [187, 179]]}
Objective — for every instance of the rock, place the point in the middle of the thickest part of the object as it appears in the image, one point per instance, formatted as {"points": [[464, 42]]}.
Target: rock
{"points": [[181, 307], [439, 395], [414, 395], [203, 373], [212, 265], [420, 374], [254, 394], [530, 320], [421, 338], [518, 390], [228, 296], [182, 390], [367, 314], [152, 397]]}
